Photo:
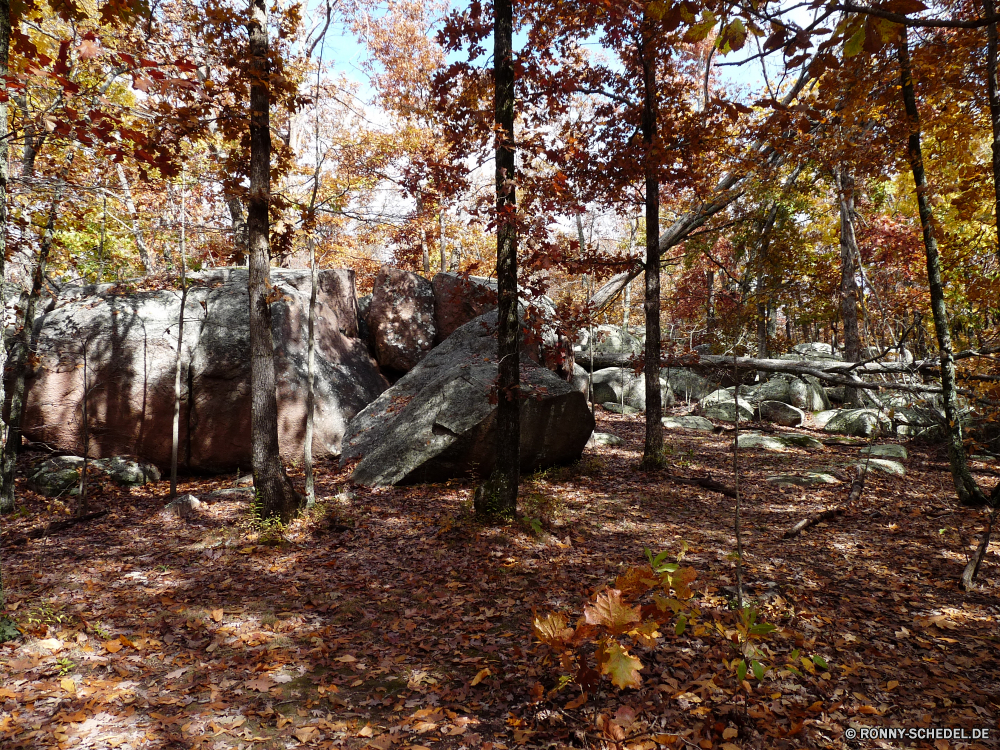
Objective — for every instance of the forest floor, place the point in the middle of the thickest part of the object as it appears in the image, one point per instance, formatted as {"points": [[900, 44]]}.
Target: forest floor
{"points": [[389, 618]]}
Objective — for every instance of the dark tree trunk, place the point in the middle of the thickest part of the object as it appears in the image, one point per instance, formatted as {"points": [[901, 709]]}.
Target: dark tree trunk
{"points": [[498, 495], [848, 273], [710, 301], [968, 491], [652, 455], [275, 495]]}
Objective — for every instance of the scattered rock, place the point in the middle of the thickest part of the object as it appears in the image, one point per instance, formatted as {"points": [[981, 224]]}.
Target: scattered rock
{"points": [[580, 380], [884, 465], [601, 439], [890, 450], [753, 440], [858, 422], [801, 441], [720, 405], [781, 413], [807, 394], [182, 507], [616, 408], [686, 384], [617, 384], [688, 423], [805, 479], [815, 350], [61, 475], [820, 418], [401, 318], [438, 421]]}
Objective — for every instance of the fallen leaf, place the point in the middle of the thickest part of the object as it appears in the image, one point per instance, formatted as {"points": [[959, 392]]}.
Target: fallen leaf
{"points": [[366, 731], [261, 685], [302, 734], [113, 647], [217, 615], [729, 732], [68, 684], [346, 658], [481, 675]]}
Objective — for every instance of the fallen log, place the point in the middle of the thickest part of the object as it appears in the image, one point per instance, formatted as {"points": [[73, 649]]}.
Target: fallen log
{"points": [[857, 487], [43, 531], [705, 482]]}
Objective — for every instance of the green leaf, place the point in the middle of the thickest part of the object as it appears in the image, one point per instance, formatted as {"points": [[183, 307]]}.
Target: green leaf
{"points": [[621, 666], [681, 624], [741, 670], [855, 44], [762, 628], [758, 670], [8, 630], [820, 662]]}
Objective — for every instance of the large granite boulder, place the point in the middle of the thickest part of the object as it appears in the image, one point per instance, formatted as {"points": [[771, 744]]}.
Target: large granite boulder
{"points": [[815, 350], [401, 318], [720, 405], [459, 299], [609, 346], [438, 421], [686, 384], [858, 422], [618, 385], [61, 475], [781, 413], [129, 341]]}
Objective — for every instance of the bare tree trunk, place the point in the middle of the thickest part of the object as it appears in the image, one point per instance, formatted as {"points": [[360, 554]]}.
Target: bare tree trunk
{"points": [[652, 455], [710, 301], [4, 176], [22, 351], [140, 240], [441, 241], [307, 458], [848, 282], [82, 505], [176, 430], [968, 491], [275, 495], [498, 495]]}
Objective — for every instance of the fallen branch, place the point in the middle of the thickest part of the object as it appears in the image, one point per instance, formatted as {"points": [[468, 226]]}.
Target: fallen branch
{"points": [[705, 482], [972, 569], [43, 531], [857, 487]]}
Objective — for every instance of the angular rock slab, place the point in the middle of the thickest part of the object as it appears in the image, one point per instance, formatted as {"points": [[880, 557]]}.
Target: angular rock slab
{"points": [[603, 439], [615, 408], [130, 343], [805, 479], [753, 440], [689, 422], [687, 384], [890, 450], [401, 318], [437, 422], [883, 465]]}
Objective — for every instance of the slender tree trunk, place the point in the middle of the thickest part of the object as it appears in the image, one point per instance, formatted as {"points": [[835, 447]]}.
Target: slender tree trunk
{"points": [[22, 350], [4, 175], [993, 89], [140, 240], [710, 301], [441, 241], [848, 281], [761, 318], [968, 491], [652, 456], [307, 458], [275, 495], [498, 496], [82, 506], [176, 430]]}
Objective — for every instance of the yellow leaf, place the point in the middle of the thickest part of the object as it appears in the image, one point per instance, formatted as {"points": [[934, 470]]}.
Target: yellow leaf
{"points": [[481, 675], [68, 685], [217, 615], [892, 684], [620, 665], [551, 630], [729, 746], [346, 658], [577, 702], [729, 732], [366, 732], [113, 647]]}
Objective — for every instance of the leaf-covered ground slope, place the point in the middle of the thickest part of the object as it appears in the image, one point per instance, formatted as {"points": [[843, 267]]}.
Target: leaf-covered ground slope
{"points": [[389, 618]]}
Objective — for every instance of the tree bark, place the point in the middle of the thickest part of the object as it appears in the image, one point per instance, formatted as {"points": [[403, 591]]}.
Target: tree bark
{"points": [[276, 497], [498, 495], [22, 350], [848, 282], [4, 175], [175, 437], [968, 491], [307, 458], [652, 455], [140, 240]]}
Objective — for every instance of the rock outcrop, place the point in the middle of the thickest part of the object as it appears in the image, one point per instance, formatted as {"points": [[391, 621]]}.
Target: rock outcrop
{"points": [[617, 384], [400, 319], [438, 421], [128, 342]]}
